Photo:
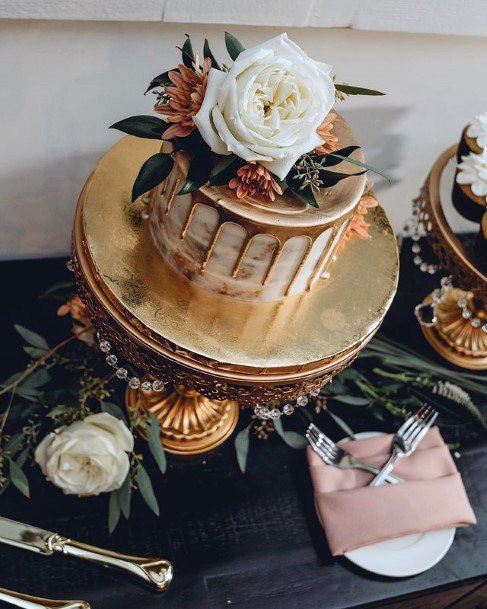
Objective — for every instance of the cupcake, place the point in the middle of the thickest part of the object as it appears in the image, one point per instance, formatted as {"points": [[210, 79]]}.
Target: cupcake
{"points": [[470, 186], [474, 137], [480, 247]]}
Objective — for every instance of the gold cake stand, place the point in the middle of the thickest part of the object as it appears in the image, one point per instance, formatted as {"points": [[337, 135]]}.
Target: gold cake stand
{"points": [[217, 352], [452, 334]]}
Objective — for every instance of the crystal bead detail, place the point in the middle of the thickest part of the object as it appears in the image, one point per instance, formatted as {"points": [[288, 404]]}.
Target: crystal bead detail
{"points": [[105, 346], [302, 400], [288, 409], [416, 248], [146, 386], [476, 322], [134, 383], [275, 413], [111, 359], [121, 374], [157, 386]]}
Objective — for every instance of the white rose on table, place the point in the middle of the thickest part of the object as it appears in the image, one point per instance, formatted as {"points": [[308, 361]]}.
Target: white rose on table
{"points": [[268, 106], [87, 457]]}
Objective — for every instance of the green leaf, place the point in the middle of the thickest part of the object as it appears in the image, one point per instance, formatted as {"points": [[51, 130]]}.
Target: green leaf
{"points": [[341, 423], [331, 178], [113, 409], [14, 444], [32, 338], [350, 399], [154, 171], [336, 157], [291, 438], [222, 163], [228, 171], [349, 90], [113, 511], [242, 441], [125, 496], [207, 53], [149, 127], [153, 430], [187, 51], [306, 194], [160, 81], [359, 164], [234, 46], [198, 173], [146, 490], [35, 352], [19, 479], [37, 379]]}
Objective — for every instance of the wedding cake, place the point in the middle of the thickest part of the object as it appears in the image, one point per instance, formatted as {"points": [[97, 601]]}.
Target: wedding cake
{"points": [[258, 183]]}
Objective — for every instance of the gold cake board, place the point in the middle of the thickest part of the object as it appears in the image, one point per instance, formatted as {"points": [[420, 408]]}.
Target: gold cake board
{"points": [[220, 347]]}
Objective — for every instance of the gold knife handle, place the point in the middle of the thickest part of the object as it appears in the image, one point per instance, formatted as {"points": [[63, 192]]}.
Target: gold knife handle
{"points": [[155, 571], [26, 601]]}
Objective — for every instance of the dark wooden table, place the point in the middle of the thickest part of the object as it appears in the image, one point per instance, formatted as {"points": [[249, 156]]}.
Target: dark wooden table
{"points": [[237, 541]]}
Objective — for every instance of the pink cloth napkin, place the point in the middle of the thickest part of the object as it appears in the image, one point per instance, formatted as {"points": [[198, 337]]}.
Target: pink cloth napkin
{"points": [[353, 515]]}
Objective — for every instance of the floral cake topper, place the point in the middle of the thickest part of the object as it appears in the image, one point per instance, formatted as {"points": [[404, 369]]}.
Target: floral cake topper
{"points": [[258, 126]]}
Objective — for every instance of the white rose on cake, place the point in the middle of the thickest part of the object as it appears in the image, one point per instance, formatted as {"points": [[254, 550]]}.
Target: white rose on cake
{"points": [[87, 457], [268, 106]]}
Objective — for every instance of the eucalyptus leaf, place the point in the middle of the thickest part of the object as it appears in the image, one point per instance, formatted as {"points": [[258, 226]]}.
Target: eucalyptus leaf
{"points": [[291, 438], [227, 172], [349, 90], [31, 337], [60, 285], [198, 173], [114, 511], [14, 444], [35, 352], [242, 441], [154, 171], [207, 53], [145, 487], [234, 46], [113, 409], [149, 127], [222, 163], [153, 430], [37, 379], [125, 496], [19, 479]]}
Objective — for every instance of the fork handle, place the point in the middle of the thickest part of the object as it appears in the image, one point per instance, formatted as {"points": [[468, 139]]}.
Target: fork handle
{"points": [[385, 471], [375, 470]]}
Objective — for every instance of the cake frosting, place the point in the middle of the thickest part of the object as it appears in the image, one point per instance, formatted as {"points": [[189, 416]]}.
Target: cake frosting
{"points": [[478, 129], [472, 171], [253, 249]]}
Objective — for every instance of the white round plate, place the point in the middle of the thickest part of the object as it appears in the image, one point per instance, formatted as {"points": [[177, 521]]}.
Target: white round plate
{"points": [[404, 556]]}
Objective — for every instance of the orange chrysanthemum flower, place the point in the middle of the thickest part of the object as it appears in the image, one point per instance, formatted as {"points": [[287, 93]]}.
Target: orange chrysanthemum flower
{"points": [[252, 179], [330, 141], [82, 325], [358, 227], [185, 95]]}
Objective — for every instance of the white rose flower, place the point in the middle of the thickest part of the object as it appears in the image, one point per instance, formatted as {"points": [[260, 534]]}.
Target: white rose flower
{"points": [[87, 457], [268, 106]]}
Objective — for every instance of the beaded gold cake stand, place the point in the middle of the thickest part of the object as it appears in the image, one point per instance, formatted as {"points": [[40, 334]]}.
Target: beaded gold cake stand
{"points": [[215, 350], [458, 332]]}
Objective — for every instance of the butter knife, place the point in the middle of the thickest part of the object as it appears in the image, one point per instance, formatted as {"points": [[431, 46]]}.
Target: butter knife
{"points": [[155, 571], [27, 601]]}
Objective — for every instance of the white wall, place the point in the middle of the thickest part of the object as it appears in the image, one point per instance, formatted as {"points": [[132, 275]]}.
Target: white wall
{"points": [[63, 83]]}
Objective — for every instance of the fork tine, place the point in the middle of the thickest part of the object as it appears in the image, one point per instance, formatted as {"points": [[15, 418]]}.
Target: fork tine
{"points": [[422, 416], [414, 421], [318, 451], [425, 427], [321, 436]]}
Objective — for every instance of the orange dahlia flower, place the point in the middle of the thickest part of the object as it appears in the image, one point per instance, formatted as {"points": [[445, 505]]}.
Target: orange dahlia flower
{"points": [[358, 227], [185, 97], [330, 141], [252, 178]]}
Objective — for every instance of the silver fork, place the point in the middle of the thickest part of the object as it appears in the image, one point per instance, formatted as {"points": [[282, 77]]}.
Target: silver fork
{"points": [[407, 439], [335, 455]]}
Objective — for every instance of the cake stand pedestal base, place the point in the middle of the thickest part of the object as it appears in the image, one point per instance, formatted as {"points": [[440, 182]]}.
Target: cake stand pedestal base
{"points": [[191, 424], [453, 336]]}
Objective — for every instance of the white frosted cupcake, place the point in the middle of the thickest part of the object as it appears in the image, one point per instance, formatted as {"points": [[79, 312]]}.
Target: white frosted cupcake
{"points": [[470, 186]]}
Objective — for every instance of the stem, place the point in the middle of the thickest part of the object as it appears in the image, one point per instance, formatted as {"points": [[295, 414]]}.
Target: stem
{"points": [[6, 413]]}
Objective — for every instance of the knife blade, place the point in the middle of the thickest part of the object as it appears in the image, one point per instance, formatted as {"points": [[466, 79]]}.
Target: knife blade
{"points": [[155, 571]]}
